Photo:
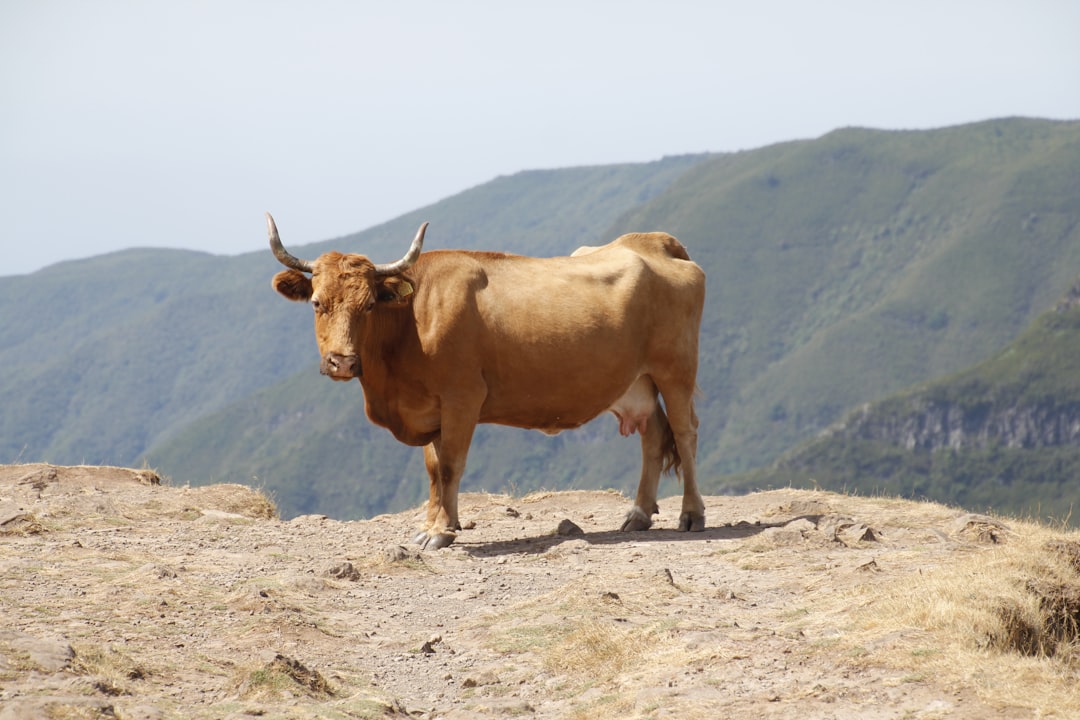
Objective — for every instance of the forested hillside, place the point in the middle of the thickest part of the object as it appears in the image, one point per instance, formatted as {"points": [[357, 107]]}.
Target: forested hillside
{"points": [[840, 270]]}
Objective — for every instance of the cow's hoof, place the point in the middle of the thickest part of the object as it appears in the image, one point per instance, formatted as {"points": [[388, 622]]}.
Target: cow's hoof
{"points": [[636, 519], [691, 522], [438, 541]]}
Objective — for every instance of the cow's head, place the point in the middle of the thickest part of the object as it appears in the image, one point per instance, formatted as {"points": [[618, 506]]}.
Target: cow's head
{"points": [[343, 290]]}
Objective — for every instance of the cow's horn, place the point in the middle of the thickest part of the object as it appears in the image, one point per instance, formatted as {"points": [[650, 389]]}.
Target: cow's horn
{"points": [[280, 252], [410, 257]]}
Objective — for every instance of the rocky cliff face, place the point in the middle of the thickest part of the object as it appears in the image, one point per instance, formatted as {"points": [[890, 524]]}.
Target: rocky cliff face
{"points": [[929, 425], [1070, 300], [983, 411]]}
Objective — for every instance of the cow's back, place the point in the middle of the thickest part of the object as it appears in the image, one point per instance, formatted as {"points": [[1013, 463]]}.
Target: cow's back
{"points": [[653, 243], [558, 340]]}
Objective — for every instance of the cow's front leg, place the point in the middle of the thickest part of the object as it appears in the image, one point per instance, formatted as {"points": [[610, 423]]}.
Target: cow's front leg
{"points": [[440, 528], [444, 458]]}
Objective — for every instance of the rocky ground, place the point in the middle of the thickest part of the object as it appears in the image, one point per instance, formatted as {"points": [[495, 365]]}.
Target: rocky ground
{"points": [[122, 597]]}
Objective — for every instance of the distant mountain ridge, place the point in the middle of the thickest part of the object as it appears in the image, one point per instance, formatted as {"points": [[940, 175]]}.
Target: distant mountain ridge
{"points": [[840, 270]]}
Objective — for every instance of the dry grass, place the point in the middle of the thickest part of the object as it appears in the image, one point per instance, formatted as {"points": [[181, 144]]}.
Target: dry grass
{"points": [[21, 524], [111, 671], [1001, 618], [281, 676], [601, 650], [580, 636], [237, 499]]}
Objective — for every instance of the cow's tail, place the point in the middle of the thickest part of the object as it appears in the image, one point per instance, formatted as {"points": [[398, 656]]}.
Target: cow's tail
{"points": [[670, 461]]}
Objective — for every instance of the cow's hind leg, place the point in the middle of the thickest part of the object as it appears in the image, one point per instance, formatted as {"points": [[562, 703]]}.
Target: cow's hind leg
{"points": [[684, 426], [679, 401], [652, 462]]}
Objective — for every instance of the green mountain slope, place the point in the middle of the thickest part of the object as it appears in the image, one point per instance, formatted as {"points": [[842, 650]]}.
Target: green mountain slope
{"points": [[102, 357], [1002, 434]]}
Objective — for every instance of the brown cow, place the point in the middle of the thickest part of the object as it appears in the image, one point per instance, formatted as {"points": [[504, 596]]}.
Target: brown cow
{"points": [[447, 339]]}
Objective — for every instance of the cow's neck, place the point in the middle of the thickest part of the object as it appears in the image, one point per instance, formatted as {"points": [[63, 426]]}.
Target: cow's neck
{"points": [[389, 338], [390, 367]]}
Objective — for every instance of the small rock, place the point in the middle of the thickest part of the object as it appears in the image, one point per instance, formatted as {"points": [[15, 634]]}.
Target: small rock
{"points": [[45, 655], [164, 572], [16, 521], [429, 645], [802, 525], [568, 527], [269, 656], [855, 534], [846, 530], [979, 528], [343, 571], [511, 512], [784, 535], [399, 553], [484, 678]]}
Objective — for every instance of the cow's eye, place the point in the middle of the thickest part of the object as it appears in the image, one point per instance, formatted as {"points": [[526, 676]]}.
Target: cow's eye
{"points": [[316, 304]]}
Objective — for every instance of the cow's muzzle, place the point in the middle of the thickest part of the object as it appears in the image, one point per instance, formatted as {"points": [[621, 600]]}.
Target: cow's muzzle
{"points": [[341, 367]]}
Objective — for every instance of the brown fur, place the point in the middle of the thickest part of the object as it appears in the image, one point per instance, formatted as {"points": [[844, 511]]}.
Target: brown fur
{"points": [[468, 337]]}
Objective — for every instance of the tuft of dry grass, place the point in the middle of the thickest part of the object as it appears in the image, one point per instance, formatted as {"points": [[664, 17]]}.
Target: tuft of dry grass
{"points": [[232, 498], [21, 524], [111, 671], [1004, 618], [280, 676], [602, 649]]}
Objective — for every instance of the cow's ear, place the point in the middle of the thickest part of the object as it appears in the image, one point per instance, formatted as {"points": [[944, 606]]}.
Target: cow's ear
{"points": [[293, 284], [395, 290]]}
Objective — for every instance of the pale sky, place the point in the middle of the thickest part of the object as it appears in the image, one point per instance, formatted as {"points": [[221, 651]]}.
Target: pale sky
{"points": [[127, 123]]}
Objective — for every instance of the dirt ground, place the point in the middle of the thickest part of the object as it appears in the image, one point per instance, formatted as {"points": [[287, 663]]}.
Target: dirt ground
{"points": [[123, 597]]}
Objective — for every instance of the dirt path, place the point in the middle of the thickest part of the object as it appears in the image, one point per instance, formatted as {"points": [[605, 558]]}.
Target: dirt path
{"points": [[121, 597]]}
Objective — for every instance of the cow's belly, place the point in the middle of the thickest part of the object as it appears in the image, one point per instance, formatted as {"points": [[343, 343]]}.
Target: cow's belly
{"points": [[632, 407]]}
